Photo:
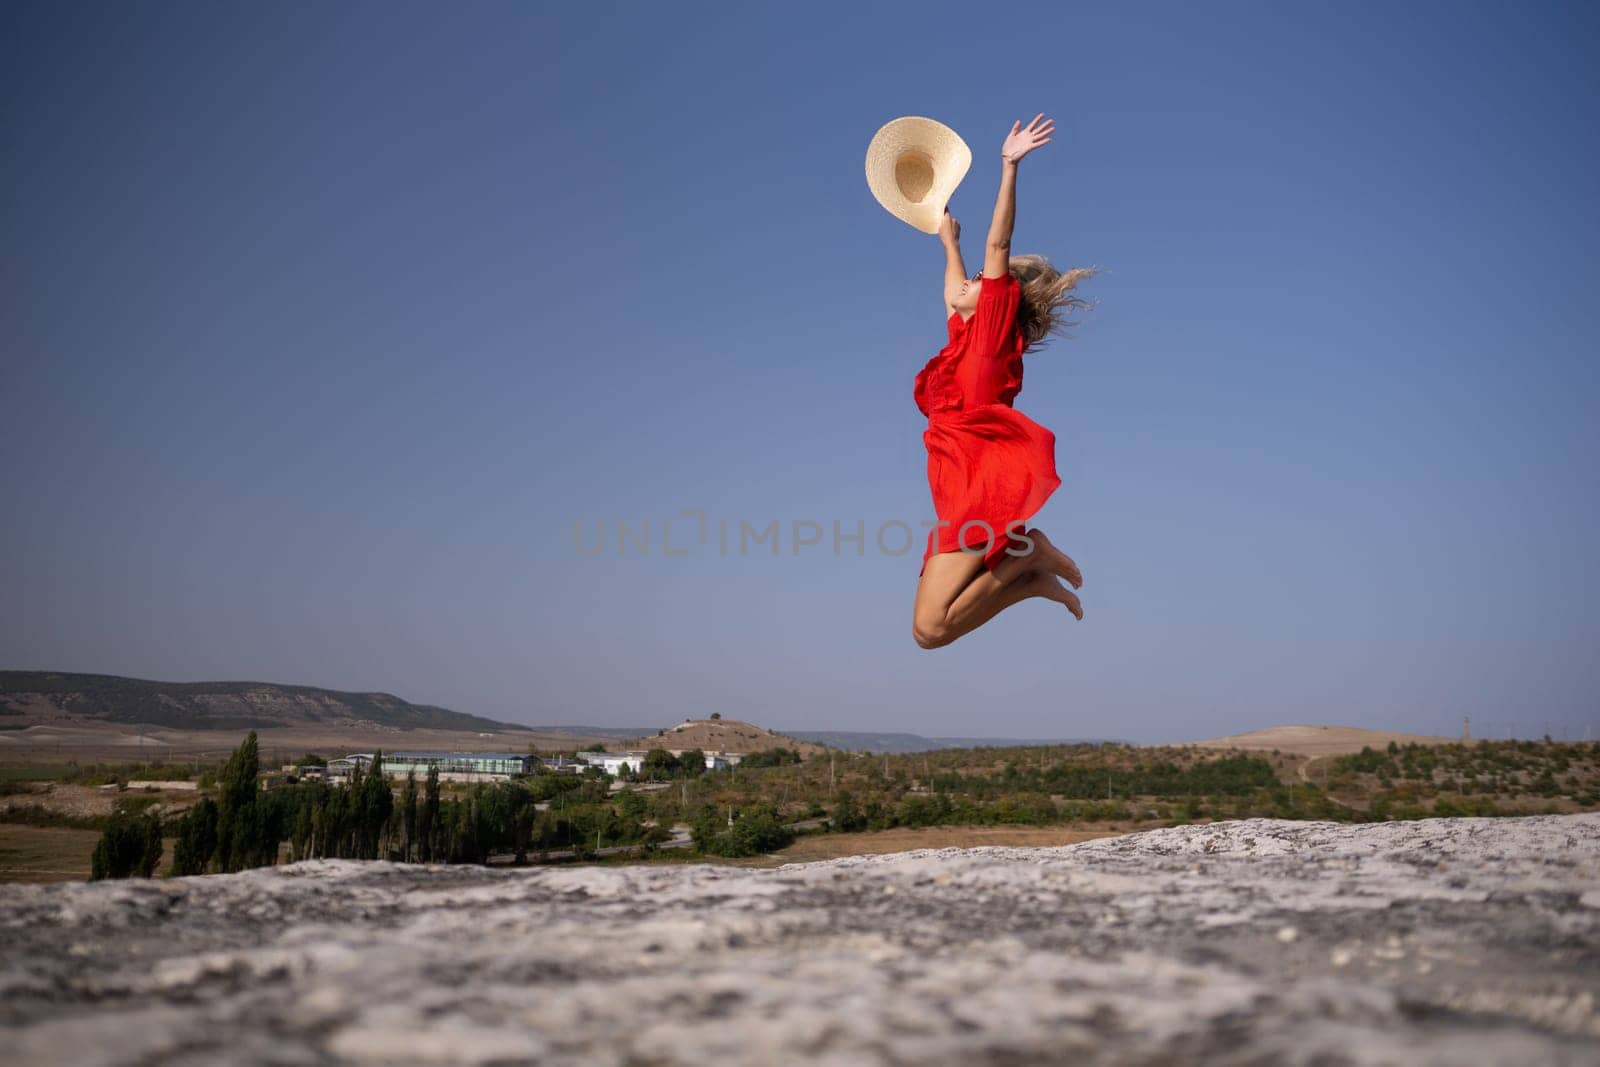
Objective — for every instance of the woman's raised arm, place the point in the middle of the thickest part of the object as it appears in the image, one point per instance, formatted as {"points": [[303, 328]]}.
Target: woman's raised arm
{"points": [[955, 271], [1019, 142]]}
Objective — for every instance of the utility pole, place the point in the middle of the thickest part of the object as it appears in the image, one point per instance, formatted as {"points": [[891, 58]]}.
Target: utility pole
{"points": [[832, 780]]}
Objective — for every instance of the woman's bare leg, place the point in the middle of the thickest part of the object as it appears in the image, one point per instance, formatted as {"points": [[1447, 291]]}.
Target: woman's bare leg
{"points": [[981, 601], [944, 577], [1052, 559], [957, 594]]}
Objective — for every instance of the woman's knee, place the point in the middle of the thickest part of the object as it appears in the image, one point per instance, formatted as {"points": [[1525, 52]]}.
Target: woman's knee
{"points": [[929, 632]]}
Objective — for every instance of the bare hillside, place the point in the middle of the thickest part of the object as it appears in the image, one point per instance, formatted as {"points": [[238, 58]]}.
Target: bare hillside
{"points": [[29, 698], [721, 735], [1319, 740]]}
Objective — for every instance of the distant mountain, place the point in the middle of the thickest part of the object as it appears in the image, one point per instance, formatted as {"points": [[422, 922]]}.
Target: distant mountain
{"points": [[38, 697], [894, 743], [47, 696]]}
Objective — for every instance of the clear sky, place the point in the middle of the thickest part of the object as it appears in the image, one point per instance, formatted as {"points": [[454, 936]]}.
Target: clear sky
{"points": [[323, 324]]}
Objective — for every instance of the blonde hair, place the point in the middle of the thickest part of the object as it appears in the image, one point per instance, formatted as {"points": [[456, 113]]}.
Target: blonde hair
{"points": [[1047, 298]]}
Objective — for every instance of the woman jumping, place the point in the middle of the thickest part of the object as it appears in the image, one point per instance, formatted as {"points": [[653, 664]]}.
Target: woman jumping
{"points": [[991, 467]]}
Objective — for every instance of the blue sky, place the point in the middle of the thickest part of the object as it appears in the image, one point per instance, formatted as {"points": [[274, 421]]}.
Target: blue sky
{"points": [[323, 325]]}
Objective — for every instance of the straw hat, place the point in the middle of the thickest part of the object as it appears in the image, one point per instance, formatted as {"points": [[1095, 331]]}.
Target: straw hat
{"points": [[913, 165]]}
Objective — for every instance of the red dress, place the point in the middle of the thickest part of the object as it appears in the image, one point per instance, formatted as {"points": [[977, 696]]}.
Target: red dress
{"points": [[991, 467]]}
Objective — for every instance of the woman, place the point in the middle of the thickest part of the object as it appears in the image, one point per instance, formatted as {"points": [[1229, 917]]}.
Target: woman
{"points": [[991, 467]]}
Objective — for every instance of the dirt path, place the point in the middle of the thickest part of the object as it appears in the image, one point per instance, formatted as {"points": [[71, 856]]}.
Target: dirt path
{"points": [[1303, 770]]}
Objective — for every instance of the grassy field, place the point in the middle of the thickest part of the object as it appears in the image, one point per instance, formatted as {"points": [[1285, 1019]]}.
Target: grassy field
{"points": [[45, 853], [52, 854]]}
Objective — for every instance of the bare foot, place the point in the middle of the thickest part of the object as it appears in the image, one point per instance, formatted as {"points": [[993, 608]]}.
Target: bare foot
{"points": [[1054, 560], [1051, 589]]}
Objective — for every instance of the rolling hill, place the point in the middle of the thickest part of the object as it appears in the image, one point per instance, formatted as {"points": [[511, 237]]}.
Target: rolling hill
{"points": [[1316, 741], [47, 697], [720, 735], [901, 743]]}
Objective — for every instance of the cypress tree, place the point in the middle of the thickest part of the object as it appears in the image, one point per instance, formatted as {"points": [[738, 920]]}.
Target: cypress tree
{"points": [[428, 819], [408, 816], [129, 847], [197, 839], [300, 836], [374, 807], [237, 825]]}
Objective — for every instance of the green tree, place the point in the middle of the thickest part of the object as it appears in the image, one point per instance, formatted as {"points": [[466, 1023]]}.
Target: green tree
{"points": [[658, 764], [197, 839], [428, 818], [847, 818], [129, 847], [631, 805], [771, 757], [408, 817], [236, 821], [754, 830], [707, 829], [373, 805]]}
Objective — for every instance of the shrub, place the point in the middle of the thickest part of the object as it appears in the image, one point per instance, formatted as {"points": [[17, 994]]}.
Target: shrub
{"points": [[754, 831], [771, 757], [129, 847], [847, 817]]}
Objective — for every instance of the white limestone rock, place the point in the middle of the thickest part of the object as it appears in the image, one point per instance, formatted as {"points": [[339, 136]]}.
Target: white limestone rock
{"points": [[1448, 941]]}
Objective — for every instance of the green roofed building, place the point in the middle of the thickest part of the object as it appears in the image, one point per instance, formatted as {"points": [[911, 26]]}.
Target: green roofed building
{"points": [[452, 766]]}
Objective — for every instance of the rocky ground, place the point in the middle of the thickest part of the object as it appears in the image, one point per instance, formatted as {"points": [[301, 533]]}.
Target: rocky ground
{"points": [[1446, 941]]}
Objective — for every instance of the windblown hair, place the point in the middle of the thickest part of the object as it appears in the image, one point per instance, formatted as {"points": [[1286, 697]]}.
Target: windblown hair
{"points": [[1047, 298]]}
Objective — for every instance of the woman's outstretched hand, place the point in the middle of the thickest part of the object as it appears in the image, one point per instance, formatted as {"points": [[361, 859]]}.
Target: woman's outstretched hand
{"points": [[949, 228], [1019, 142]]}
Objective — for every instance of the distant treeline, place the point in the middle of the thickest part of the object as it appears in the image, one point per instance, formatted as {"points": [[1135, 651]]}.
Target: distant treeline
{"points": [[1488, 768], [752, 808], [361, 818], [1226, 776]]}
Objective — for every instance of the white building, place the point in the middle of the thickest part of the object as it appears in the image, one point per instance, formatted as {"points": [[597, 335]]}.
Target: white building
{"points": [[613, 762]]}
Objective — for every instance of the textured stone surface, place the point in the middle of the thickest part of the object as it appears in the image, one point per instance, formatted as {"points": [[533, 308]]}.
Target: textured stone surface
{"points": [[1446, 941]]}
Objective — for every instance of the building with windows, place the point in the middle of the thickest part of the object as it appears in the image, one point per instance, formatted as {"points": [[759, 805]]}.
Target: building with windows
{"points": [[452, 766], [613, 762]]}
